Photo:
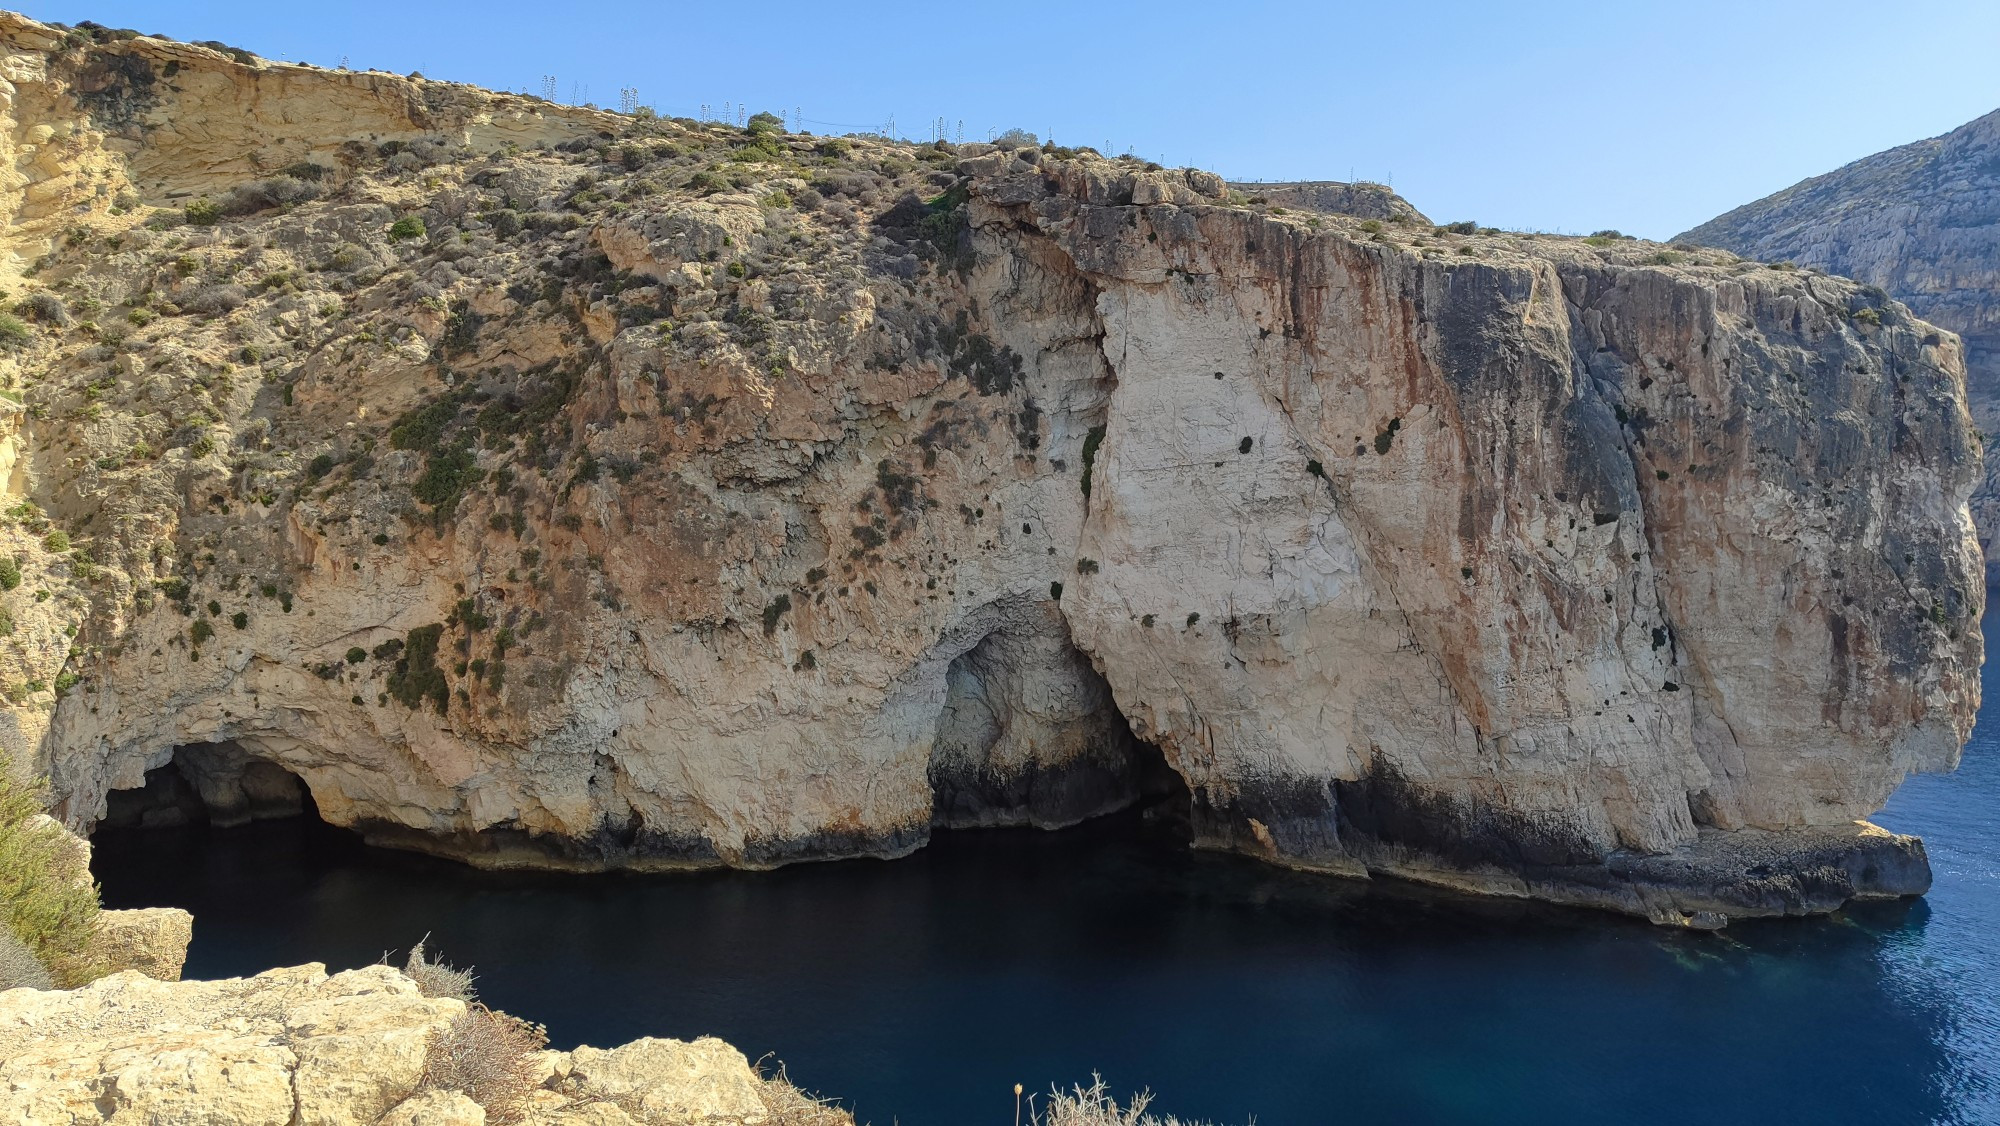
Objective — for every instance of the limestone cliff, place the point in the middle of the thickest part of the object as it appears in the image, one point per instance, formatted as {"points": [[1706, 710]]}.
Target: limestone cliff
{"points": [[549, 487], [1922, 222]]}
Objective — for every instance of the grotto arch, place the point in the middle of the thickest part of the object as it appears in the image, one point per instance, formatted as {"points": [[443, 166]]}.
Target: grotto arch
{"points": [[1029, 734], [220, 784]]}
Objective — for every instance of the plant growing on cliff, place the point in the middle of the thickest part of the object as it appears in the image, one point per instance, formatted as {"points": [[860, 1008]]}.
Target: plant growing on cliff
{"points": [[435, 977], [487, 1055], [417, 676], [49, 900], [1091, 441]]}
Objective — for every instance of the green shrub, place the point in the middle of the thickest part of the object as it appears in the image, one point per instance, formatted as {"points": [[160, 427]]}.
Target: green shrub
{"points": [[417, 676], [356, 654], [1091, 441], [409, 226], [775, 610], [14, 331], [240, 620], [10, 572], [57, 541], [202, 213], [708, 183], [200, 631], [49, 901]]}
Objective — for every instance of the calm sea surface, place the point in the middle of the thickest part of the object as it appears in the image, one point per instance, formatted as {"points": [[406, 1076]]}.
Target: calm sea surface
{"points": [[921, 990]]}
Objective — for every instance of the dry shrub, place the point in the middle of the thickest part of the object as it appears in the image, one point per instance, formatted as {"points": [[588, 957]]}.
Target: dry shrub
{"points": [[486, 1054], [1094, 1106], [436, 977], [789, 1106], [214, 300]]}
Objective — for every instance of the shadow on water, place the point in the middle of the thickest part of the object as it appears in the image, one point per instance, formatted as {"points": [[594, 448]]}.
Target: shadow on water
{"points": [[922, 989]]}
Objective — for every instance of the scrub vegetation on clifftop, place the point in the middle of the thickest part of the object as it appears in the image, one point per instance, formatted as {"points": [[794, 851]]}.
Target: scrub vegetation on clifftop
{"points": [[46, 894]]}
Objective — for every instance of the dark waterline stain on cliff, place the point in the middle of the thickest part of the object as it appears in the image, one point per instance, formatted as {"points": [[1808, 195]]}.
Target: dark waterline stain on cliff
{"points": [[922, 989]]}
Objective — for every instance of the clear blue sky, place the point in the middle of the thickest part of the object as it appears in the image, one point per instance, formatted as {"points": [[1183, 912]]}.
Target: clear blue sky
{"points": [[1567, 116]]}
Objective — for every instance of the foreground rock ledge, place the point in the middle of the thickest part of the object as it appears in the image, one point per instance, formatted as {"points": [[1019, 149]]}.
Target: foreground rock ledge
{"points": [[542, 486], [298, 1045]]}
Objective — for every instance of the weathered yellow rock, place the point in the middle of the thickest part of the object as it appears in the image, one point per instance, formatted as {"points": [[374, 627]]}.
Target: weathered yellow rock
{"points": [[436, 1108], [288, 1046], [152, 940], [671, 1080], [296, 1046]]}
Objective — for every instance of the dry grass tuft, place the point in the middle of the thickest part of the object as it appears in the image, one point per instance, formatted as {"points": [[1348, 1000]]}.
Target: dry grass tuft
{"points": [[486, 1055], [789, 1106], [1094, 1106], [435, 977]]}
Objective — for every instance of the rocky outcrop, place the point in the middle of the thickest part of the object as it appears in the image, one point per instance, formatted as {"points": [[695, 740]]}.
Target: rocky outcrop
{"points": [[698, 495], [1362, 200], [149, 940], [301, 1045], [1921, 222]]}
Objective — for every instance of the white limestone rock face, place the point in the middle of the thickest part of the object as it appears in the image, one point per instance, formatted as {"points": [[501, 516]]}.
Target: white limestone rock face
{"points": [[664, 506]]}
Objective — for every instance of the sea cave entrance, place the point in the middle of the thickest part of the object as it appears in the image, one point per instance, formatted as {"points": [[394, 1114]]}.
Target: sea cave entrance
{"points": [[1030, 735], [216, 784]]}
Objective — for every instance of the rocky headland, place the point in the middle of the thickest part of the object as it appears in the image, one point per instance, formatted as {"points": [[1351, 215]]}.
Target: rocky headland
{"points": [[535, 485], [1920, 222]]}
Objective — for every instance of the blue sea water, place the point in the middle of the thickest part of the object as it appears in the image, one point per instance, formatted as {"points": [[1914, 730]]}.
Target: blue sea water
{"points": [[920, 991]]}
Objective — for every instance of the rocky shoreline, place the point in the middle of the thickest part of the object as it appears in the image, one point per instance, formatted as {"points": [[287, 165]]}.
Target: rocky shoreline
{"points": [[356, 1048]]}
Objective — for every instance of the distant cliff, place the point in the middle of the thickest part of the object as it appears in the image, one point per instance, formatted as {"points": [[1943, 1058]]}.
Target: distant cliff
{"points": [[540, 486], [1923, 222]]}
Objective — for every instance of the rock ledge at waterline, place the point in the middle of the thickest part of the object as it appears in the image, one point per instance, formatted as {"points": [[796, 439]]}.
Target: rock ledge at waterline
{"points": [[543, 486]]}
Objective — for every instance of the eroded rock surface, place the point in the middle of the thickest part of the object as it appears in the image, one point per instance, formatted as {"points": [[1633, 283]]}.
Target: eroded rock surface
{"points": [[677, 494], [299, 1045], [1921, 221]]}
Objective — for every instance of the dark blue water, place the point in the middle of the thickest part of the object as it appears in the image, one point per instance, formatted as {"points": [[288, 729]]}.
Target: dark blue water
{"points": [[922, 990]]}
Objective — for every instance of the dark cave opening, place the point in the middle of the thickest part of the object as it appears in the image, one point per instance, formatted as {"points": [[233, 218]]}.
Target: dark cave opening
{"points": [[216, 784], [1030, 735]]}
